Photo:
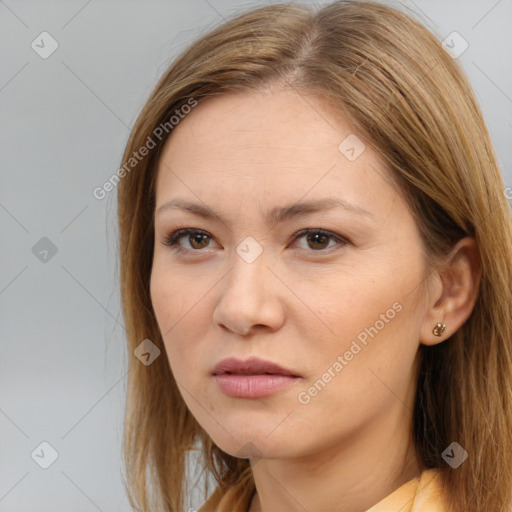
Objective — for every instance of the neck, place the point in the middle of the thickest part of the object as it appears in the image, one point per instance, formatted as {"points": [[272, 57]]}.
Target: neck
{"points": [[351, 477]]}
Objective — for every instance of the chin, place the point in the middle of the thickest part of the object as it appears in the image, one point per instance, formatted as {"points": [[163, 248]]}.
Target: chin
{"points": [[253, 445]]}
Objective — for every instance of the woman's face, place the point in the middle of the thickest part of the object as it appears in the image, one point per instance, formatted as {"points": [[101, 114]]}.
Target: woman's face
{"points": [[342, 309]]}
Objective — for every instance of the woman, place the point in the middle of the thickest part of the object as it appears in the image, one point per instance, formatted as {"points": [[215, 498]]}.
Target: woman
{"points": [[315, 236]]}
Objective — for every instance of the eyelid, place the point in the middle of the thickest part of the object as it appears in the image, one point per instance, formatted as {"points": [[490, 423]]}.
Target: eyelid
{"points": [[340, 240], [172, 240]]}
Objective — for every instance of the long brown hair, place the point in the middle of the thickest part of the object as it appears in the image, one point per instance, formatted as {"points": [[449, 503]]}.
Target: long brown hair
{"points": [[411, 101]]}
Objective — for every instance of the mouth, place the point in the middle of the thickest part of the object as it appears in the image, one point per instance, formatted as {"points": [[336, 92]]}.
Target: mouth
{"points": [[251, 366], [250, 373], [252, 378], [238, 385]]}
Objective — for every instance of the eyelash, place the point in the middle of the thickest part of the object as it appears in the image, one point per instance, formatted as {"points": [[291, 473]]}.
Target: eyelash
{"points": [[172, 240]]}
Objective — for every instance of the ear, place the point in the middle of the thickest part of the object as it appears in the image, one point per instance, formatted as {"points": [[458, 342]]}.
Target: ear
{"points": [[453, 290]]}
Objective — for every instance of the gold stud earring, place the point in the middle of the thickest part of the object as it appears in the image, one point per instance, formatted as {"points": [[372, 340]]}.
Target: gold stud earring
{"points": [[438, 329]]}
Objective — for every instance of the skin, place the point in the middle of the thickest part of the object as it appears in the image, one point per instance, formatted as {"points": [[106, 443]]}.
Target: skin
{"points": [[300, 303]]}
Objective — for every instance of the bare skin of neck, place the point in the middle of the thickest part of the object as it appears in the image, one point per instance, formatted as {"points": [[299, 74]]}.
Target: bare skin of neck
{"points": [[361, 480]]}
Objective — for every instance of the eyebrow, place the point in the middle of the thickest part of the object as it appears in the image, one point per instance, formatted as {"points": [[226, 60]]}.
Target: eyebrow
{"points": [[275, 215]]}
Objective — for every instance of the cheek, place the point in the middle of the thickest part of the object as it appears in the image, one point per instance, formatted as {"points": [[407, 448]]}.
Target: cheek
{"points": [[179, 309], [173, 296], [362, 373], [162, 298], [371, 320]]}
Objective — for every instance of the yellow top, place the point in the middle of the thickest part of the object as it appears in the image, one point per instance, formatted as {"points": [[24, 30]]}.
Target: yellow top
{"points": [[421, 494]]}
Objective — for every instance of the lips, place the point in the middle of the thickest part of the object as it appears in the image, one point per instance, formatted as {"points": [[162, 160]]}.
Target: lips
{"points": [[253, 378], [251, 366]]}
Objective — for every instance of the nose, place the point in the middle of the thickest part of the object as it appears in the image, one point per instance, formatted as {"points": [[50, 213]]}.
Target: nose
{"points": [[250, 298]]}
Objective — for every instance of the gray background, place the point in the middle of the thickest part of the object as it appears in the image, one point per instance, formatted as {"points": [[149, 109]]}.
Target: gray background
{"points": [[64, 121]]}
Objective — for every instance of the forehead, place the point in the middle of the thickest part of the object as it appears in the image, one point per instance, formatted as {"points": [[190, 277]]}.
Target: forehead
{"points": [[272, 144], [279, 120]]}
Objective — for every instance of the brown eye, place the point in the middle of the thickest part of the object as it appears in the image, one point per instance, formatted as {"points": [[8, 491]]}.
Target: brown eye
{"points": [[318, 239], [198, 239]]}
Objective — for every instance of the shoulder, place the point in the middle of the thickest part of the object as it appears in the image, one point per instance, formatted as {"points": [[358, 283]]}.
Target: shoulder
{"points": [[421, 494]]}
